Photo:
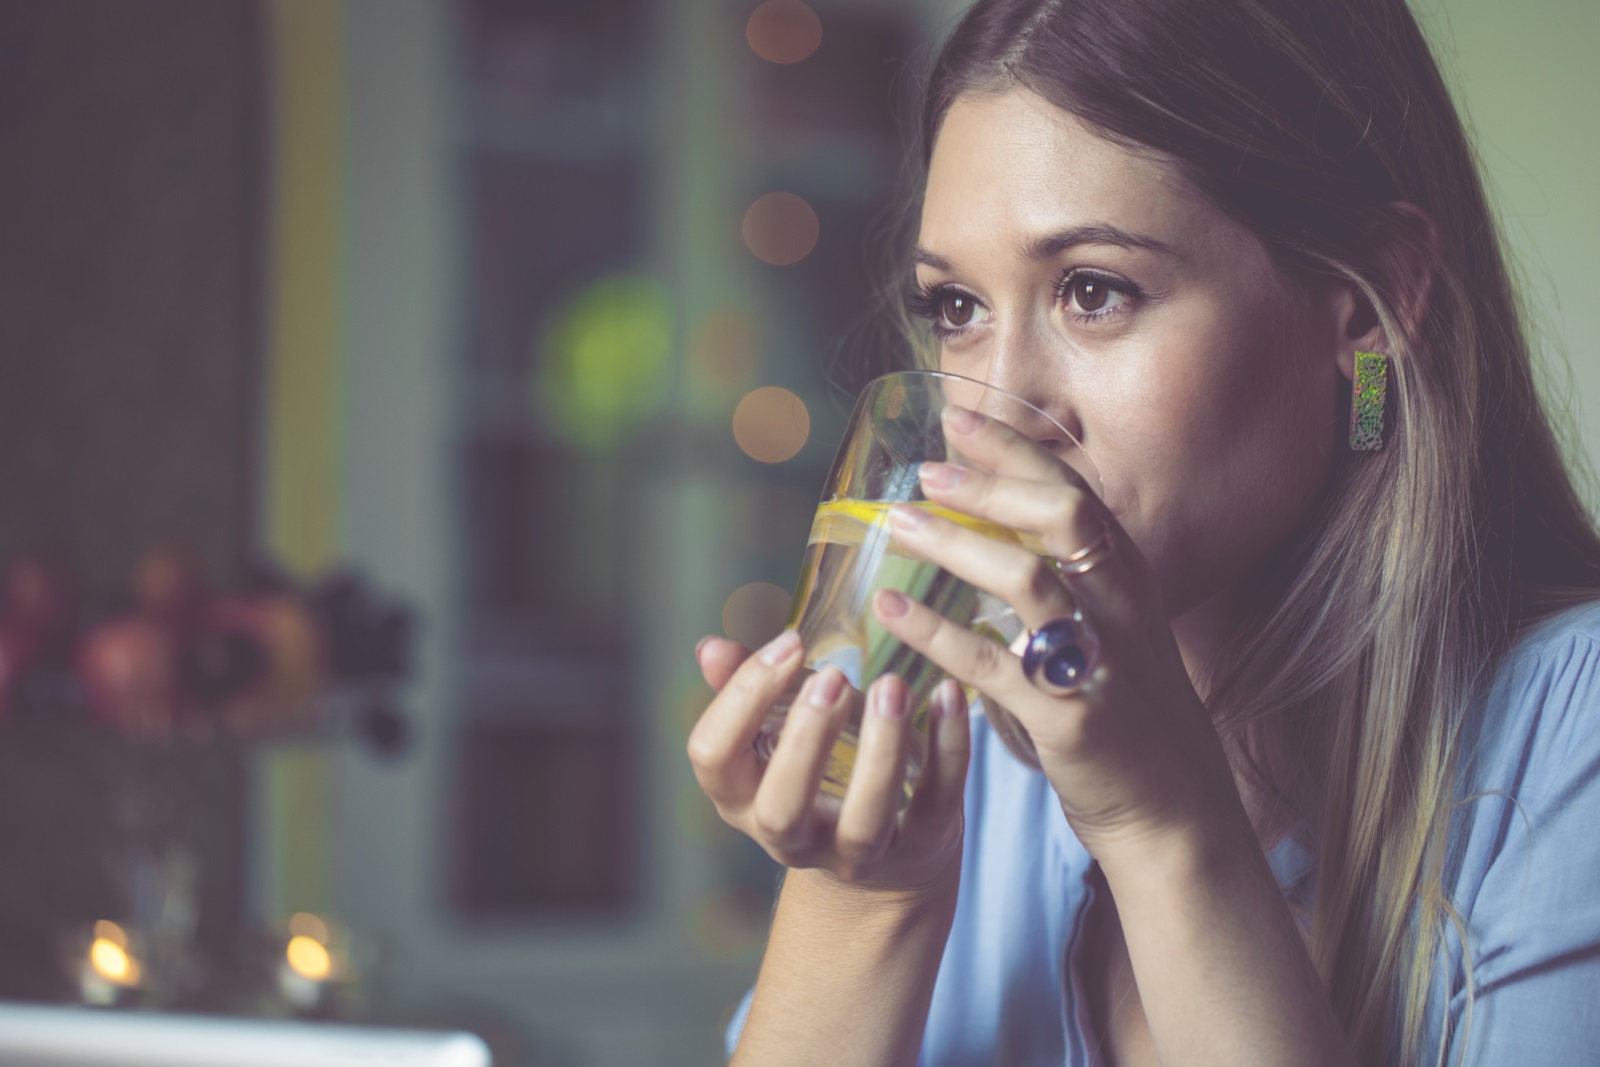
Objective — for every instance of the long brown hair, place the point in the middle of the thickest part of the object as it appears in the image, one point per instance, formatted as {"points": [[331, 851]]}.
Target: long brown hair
{"points": [[1347, 695]]}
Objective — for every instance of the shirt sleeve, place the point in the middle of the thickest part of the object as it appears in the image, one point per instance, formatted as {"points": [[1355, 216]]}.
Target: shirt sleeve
{"points": [[730, 1037], [1530, 887]]}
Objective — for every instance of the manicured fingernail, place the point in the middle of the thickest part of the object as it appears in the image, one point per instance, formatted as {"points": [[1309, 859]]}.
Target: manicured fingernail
{"points": [[905, 517], [780, 648], [947, 702], [941, 475], [963, 420], [700, 646], [892, 604], [825, 688], [890, 701]]}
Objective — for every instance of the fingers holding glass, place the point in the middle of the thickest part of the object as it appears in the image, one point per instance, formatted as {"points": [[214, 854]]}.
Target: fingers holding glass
{"points": [[1061, 650], [718, 658], [968, 656], [1055, 722], [721, 743], [942, 787], [872, 802], [991, 444], [1031, 583], [801, 825], [785, 812], [1066, 529]]}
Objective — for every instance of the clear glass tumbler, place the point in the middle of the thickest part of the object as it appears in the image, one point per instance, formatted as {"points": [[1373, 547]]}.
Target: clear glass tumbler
{"points": [[896, 427]]}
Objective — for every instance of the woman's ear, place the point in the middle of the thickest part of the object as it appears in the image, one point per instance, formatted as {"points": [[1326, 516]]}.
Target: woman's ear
{"points": [[1404, 251]]}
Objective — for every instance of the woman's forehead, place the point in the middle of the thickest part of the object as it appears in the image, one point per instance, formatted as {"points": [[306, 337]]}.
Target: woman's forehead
{"points": [[1012, 163]]}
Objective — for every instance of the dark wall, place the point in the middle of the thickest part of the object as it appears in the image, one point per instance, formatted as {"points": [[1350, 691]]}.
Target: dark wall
{"points": [[132, 152]]}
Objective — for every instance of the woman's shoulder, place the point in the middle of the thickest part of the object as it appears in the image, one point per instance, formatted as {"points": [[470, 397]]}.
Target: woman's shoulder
{"points": [[1548, 681], [1575, 629], [1539, 731], [1525, 855]]}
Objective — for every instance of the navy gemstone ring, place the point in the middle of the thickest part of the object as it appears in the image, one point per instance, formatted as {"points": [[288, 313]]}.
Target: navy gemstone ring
{"points": [[1061, 655]]}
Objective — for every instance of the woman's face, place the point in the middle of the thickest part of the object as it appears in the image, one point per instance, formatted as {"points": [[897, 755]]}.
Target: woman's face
{"points": [[1100, 285]]}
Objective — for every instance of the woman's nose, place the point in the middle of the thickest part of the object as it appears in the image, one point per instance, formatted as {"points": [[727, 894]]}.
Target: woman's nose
{"points": [[1022, 368], [1019, 367], [1001, 404]]}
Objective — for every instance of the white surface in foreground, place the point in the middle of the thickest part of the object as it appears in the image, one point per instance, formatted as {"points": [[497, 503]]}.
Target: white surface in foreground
{"points": [[41, 1036]]}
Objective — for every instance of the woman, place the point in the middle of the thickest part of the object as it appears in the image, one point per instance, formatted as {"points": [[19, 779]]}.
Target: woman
{"points": [[1330, 795]]}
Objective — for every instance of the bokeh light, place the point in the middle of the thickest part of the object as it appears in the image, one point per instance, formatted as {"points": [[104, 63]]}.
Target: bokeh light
{"points": [[780, 228], [106, 930], [724, 348], [112, 962], [771, 424], [755, 613], [308, 958], [605, 359], [305, 924], [783, 31]]}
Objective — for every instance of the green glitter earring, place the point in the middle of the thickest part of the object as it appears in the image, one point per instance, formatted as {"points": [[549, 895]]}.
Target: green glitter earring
{"points": [[1366, 402]]}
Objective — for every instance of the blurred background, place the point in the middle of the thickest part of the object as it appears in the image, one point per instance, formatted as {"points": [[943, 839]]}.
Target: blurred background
{"points": [[391, 394]]}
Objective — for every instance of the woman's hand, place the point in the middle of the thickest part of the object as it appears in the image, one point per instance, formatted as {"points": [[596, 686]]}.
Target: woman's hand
{"points": [[865, 840], [1132, 753]]}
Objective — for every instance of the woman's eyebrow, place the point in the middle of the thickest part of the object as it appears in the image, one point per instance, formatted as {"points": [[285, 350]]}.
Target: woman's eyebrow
{"points": [[1097, 233], [1053, 244]]}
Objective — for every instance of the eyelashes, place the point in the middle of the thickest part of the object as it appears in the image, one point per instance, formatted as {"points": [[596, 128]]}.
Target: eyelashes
{"points": [[1091, 290], [1096, 295], [933, 304]]}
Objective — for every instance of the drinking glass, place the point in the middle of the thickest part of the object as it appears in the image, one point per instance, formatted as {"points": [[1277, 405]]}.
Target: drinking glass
{"points": [[896, 427]]}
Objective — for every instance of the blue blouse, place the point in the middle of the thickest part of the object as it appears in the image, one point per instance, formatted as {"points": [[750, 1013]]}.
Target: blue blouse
{"points": [[1523, 874]]}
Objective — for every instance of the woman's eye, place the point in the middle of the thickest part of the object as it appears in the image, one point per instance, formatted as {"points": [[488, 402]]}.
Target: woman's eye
{"points": [[949, 311], [1089, 294], [957, 309]]}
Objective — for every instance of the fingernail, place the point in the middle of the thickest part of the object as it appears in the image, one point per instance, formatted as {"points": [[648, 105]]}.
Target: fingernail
{"points": [[700, 646], [906, 517], [780, 648], [892, 604], [941, 475], [825, 688], [891, 701], [947, 702], [963, 420]]}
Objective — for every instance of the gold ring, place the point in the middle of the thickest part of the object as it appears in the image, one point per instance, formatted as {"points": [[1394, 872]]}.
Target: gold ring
{"points": [[1091, 555]]}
